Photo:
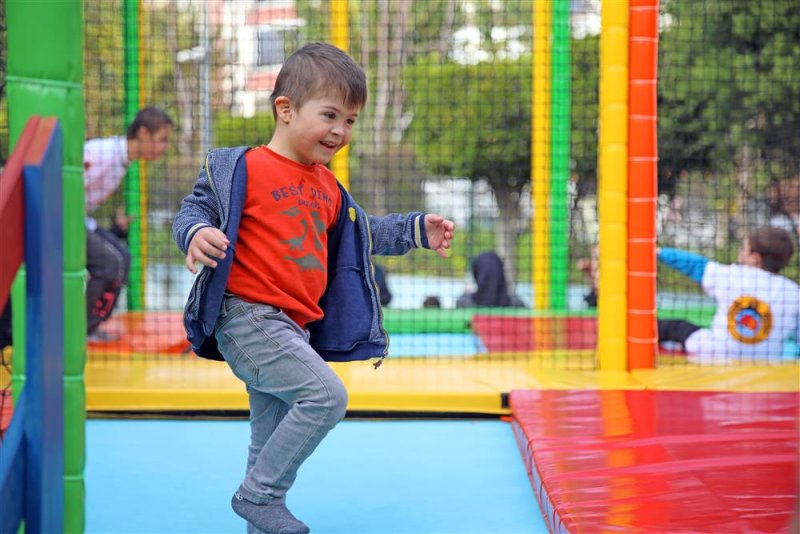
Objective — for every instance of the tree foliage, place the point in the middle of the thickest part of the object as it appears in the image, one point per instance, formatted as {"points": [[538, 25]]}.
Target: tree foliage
{"points": [[241, 131], [584, 112], [729, 80], [473, 120], [103, 68]]}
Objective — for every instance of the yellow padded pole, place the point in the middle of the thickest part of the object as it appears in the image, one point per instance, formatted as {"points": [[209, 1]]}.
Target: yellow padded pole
{"points": [[540, 152], [340, 37], [613, 187]]}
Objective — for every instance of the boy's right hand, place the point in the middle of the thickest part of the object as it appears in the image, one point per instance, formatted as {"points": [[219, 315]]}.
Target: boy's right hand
{"points": [[208, 243]]}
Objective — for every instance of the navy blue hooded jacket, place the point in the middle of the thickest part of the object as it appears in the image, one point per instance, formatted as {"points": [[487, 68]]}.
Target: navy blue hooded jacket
{"points": [[351, 328]]}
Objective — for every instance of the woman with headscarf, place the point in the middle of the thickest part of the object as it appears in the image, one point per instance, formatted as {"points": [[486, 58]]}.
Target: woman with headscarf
{"points": [[487, 268]]}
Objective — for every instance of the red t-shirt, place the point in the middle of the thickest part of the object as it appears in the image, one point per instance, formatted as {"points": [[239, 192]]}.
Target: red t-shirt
{"points": [[282, 249]]}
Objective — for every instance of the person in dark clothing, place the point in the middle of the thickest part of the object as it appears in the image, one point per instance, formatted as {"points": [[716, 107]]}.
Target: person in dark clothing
{"points": [[487, 268], [590, 267], [6, 336], [431, 302]]}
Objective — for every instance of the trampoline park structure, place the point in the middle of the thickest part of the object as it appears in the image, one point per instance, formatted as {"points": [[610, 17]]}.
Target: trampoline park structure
{"points": [[610, 434]]}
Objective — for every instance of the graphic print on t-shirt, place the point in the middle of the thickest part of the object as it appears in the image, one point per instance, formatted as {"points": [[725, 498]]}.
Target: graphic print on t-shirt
{"points": [[306, 260], [749, 320]]}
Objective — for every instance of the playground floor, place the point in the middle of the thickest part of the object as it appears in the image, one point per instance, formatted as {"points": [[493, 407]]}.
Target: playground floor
{"points": [[368, 476]]}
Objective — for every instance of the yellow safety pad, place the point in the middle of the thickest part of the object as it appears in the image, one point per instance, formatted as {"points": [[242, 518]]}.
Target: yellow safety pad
{"points": [[752, 379], [469, 385]]}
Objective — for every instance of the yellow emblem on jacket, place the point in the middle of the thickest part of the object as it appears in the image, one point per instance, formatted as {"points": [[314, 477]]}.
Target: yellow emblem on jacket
{"points": [[749, 320]]}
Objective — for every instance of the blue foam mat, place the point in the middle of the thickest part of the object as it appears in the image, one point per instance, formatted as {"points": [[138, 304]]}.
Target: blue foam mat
{"points": [[381, 476]]}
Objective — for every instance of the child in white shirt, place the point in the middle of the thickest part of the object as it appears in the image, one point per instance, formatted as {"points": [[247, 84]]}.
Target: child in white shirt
{"points": [[758, 310]]}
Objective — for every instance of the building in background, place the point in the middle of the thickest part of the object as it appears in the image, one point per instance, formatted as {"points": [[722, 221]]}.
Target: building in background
{"points": [[258, 34]]}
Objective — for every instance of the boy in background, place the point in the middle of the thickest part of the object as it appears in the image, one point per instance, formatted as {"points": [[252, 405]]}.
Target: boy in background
{"points": [[288, 281], [105, 162], [758, 310]]}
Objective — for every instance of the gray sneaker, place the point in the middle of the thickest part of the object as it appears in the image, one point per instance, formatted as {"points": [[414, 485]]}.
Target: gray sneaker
{"points": [[270, 518]]}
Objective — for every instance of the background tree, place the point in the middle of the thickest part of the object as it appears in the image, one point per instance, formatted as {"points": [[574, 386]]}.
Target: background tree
{"points": [[584, 95], [729, 94], [103, 74], [473, 121]]}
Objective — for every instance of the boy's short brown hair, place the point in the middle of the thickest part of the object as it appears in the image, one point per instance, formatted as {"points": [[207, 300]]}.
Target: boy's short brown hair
{"points": [[318, 69], [150, 117], [774, 245]]}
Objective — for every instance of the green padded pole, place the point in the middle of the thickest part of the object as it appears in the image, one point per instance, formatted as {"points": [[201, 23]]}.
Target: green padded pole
{"points": [[133, 191], [559, 160], [44, 77]]}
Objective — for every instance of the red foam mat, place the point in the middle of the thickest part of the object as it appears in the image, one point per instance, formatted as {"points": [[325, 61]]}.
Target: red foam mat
{"points": [[661, 461], [503, 333], [143, 332]]}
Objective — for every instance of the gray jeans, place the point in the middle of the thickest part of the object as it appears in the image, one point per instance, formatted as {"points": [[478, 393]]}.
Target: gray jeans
{"points": [[295, 397]]}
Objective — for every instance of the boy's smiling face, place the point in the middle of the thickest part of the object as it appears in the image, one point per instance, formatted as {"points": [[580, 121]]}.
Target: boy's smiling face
{"points": [[316, 131]]}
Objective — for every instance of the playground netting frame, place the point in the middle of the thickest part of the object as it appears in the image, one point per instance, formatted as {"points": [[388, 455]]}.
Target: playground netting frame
{"points": [[39, 41]]}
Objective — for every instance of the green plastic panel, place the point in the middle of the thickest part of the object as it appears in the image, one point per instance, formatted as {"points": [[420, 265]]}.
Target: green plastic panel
{"points": [[28, 98], [74, 325], [74, 224], [74, 434], [458, 321], [74, 496], [59, 56]]}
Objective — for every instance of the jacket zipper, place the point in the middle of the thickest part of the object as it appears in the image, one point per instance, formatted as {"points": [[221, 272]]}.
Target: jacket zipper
{"points": [[377, 291], [223, 223]]}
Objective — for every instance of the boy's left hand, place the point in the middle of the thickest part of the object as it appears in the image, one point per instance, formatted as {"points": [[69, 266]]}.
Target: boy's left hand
{"points": [[440, 232], [122, 219]]}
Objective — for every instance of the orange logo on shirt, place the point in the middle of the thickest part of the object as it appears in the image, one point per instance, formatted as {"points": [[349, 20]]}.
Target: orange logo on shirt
{"points": [[749, 320]]}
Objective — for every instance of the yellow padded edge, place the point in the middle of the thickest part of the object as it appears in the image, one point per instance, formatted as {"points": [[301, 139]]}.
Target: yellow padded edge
{"points": [[750, 379], [405, 385]]}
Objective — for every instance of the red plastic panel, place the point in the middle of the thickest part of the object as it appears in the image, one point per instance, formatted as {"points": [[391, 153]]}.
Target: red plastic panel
{"points": [[661, 461], [502, 334], [143, 332], [12, 206]]}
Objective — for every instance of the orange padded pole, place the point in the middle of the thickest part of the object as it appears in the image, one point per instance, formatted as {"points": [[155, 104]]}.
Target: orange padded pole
{"points": [[642, 337]]}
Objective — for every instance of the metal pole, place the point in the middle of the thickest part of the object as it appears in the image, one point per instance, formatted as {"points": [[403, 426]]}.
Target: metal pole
{"points": [[205, 70]]}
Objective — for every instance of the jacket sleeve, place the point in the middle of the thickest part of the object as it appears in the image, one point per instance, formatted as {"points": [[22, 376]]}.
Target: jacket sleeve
{"points": [[689, 263], [396, 234], [198, 210]]}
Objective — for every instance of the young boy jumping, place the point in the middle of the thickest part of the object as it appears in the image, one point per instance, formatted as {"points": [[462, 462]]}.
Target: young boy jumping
{"points": [[758, 310], [288, 281]]}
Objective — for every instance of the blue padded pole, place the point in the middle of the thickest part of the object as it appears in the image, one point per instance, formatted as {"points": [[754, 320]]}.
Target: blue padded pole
{"points": [[12, 470], [44, 387]]}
